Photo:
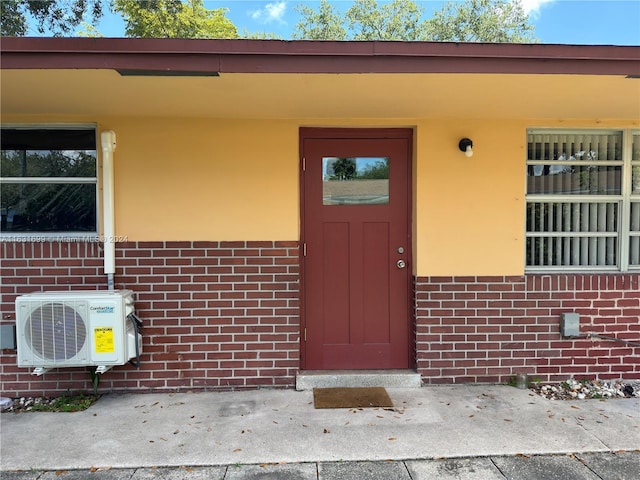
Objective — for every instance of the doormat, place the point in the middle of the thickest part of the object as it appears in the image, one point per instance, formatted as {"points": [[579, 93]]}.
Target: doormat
{"points": [[361, 397]]}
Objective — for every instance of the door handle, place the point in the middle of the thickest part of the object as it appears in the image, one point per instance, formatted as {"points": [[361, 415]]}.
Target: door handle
{"points": [[401, 264]]}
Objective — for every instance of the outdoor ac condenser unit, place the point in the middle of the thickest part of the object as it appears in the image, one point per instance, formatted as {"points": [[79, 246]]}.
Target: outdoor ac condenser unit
{"points": [[76, 329]]}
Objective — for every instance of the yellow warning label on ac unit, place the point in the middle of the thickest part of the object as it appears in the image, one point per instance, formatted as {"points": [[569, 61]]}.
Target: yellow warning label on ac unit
{"points": [[103, 340]]}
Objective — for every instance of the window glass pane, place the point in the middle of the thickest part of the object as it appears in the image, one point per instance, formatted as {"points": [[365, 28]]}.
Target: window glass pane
{"points": [[635, 179], [634, 239], [48, 207], [573, 147], [635, 217], [573, 180], [582, 217], [571, 251], [355, 181], [583, 165], [560, 222], [634, 251], [48, 163], [48, 139], [57, 204]]}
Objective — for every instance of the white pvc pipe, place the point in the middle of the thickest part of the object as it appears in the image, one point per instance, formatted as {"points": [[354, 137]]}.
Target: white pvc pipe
{"points": [[108, 140]]}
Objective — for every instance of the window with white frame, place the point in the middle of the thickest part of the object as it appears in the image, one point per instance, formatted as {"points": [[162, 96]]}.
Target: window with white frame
{"points": [[583, 200], [48, 180]]}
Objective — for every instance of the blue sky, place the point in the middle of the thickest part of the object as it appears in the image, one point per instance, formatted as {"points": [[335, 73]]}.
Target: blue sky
{"points": [[607, 22]]}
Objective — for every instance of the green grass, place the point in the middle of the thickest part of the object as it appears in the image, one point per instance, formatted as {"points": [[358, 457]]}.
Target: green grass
{"points": [[68, 402]]}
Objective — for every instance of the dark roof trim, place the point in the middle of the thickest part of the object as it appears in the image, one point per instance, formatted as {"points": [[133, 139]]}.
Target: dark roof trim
{"points": [[276, 56]]}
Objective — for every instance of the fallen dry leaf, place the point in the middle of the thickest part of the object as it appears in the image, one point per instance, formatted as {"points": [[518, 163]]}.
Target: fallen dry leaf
{"points": [[392, 438], [99, 469], [238, 450]]}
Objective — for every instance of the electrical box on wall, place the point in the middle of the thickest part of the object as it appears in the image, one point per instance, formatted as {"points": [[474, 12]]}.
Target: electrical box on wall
{"points": [[8, 337], [570, 325]]}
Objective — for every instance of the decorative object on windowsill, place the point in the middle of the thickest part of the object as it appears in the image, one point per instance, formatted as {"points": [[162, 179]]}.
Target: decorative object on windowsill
{"points": [[466, 146]]}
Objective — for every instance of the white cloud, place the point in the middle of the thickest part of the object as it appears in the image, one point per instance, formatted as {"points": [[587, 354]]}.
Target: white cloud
{"points": [[532, 7], [272, 12]]}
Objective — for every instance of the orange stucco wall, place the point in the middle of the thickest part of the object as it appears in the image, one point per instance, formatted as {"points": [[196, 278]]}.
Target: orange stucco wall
{"points": [[206, 180], [209, 179], [469, 211]]}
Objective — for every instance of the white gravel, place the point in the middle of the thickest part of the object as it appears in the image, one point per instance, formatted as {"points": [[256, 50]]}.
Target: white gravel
{"points": [[573, 389]]}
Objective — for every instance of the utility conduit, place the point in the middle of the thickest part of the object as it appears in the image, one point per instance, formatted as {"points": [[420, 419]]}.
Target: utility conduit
{"points": [[108, 140]]}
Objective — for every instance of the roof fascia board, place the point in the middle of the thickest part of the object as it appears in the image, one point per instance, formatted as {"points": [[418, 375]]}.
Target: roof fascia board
{"points": [[275, 56]]}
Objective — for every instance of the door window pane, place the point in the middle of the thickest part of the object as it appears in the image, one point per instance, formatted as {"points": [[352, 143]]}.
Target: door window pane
{"points": [[355, 181]]}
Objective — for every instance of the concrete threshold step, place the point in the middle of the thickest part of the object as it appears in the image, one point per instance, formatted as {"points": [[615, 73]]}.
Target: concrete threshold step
{"points": [[310, 379]]}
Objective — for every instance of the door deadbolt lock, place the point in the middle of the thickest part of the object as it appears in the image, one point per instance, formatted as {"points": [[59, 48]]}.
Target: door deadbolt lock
{"points": [[401, 264]]}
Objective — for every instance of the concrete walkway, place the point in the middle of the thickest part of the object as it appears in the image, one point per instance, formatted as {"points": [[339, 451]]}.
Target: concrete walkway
{"points": [[491, 429]]}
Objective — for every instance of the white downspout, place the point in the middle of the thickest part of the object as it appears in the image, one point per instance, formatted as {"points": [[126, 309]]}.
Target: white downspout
{"points": [[108, 139]]}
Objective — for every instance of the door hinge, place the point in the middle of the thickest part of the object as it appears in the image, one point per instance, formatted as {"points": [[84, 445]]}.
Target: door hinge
{"points": [[304, 164], [304, 249], [305, 334]]}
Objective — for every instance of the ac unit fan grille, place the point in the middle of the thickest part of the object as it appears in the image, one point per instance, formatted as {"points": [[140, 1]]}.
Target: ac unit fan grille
{"points": [[55, 331]]}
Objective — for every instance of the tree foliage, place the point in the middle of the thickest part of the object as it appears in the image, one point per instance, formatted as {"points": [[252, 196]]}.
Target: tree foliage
{"points": [[58, 17], [465, 21], [259, 35], [344, 169], [398, 20], [378, 171], [174, 19], [468, 21], [499, 21], [323, 24]]}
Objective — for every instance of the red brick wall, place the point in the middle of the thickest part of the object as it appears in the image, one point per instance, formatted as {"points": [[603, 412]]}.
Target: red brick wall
{"points": [[485, 329], [216, 314], [222, 315]]}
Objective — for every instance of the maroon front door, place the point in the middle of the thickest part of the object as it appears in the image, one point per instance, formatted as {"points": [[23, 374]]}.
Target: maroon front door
{"points": [[356, 248]]}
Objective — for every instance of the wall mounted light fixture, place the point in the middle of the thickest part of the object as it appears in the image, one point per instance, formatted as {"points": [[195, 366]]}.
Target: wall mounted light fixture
{"points": [[466, 146]]}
